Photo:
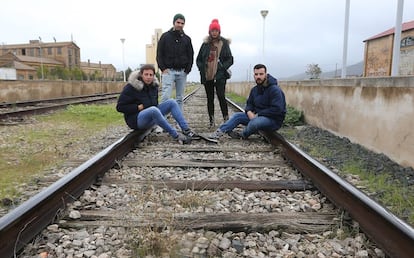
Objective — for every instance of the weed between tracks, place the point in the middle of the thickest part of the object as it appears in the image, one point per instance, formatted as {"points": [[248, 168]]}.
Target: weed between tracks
{"points": [[161, 239]]}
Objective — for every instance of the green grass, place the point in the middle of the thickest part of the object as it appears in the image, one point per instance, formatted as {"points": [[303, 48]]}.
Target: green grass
{"points": [[293, 117], [239, 100], [395, 196], [29, 150], [91, 117]]}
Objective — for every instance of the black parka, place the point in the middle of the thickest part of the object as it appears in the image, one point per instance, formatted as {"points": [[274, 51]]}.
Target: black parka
{"points": [[175, 50], [225, 59], [135, 93]]}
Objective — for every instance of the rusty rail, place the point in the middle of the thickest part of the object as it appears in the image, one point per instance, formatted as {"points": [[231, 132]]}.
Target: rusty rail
{"points": [[51, 107], [20, 225], [389, 232]]}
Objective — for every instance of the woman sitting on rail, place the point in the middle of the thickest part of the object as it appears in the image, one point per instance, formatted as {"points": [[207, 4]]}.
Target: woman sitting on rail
{"points": [[139, 104]]}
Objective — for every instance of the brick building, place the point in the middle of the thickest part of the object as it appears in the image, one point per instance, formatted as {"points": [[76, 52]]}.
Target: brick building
{"points": [[68, 53], [27, 59], [27, 66], [96, 71], [379, 50]]}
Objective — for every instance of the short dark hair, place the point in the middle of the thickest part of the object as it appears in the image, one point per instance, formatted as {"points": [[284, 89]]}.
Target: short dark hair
{"points": [[147, 67], [259, 66]]}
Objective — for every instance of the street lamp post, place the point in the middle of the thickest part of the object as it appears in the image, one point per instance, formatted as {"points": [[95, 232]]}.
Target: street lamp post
{"points": [[395, 67], [123, 58], [41, 58], [345, 50], [264, 14]]}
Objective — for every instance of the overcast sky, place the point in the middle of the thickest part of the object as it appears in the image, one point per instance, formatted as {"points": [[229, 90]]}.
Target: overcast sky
{"points": [[297, 32]]}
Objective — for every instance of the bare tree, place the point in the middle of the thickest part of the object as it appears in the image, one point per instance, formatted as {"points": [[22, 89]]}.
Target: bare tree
{"points": [[314, 71]]}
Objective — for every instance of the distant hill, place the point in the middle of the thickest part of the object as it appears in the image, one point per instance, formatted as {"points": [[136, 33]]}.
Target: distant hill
{"points": [[352, 70]]}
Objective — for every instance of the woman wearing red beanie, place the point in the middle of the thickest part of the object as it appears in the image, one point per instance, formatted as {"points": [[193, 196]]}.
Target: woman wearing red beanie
{"points": [[213, 60]]}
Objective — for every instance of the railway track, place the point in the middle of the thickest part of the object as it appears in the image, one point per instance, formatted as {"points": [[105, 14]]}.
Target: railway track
{"points": [[12, 111], [146, 195]]}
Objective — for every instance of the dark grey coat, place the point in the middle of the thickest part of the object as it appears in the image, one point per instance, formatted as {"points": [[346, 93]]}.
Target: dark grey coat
{"points": [[226, 59]]}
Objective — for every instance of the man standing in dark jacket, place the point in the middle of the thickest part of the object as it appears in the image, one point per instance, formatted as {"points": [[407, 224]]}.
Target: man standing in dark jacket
{"points": [[138, 102], [175, 56], [265, 108]]}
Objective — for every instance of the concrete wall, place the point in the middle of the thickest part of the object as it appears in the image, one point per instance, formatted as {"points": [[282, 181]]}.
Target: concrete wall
{"points": [[16, 91], [377, 113], [374, 112]]}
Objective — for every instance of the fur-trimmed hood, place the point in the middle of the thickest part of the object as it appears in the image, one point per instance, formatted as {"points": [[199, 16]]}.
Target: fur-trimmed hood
{"points": [[135, 80], [207, 39]]}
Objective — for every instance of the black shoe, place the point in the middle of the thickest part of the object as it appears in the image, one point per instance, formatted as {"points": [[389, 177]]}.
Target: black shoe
{"points": [[235, 135], [212, 122], [190, 134]]}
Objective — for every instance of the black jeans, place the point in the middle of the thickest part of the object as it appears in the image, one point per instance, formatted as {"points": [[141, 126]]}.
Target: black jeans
{"points": [[220, 86]]}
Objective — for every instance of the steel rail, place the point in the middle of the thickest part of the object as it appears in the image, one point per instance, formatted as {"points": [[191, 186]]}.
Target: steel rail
{"points": [[41, 110], [388, 231], [22, 224], [35, 102], [19, 226]]}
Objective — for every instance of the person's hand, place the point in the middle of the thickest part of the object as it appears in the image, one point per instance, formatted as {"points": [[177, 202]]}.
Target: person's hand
{"points": [[251, 115]]}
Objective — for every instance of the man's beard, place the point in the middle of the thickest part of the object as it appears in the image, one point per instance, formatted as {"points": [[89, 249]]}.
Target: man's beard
{"points": [[259, 81]]}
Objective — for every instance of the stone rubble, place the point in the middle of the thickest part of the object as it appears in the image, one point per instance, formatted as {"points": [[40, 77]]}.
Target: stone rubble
{"points": [[107, 241]]}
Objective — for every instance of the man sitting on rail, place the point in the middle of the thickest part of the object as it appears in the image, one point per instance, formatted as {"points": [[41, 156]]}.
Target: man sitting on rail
{"points": [[265, 108], [139, 104]]}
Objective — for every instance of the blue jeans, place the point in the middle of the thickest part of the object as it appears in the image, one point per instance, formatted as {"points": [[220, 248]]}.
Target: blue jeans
{"points": [[151, 116], [259, 123], [179, 77]]}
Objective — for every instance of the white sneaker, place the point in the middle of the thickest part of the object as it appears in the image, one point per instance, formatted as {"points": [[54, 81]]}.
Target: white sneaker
{"points": [[158, 129], [217, 134]]}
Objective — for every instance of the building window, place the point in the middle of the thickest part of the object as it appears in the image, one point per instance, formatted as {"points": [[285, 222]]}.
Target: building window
{"points": [[76, 57], [49, 51], [407, 41], [59, 50], [23, 51]]}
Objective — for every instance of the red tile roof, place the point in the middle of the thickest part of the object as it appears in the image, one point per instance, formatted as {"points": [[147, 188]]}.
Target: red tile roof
{"points": [[405, 26]]}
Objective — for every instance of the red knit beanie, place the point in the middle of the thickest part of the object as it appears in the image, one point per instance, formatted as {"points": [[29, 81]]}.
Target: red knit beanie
{"points": [[214, 25]]}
